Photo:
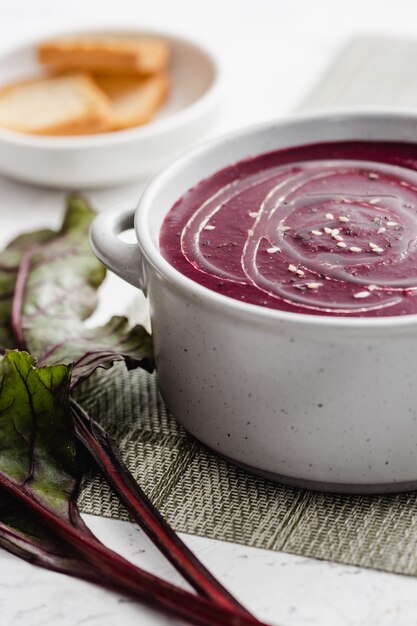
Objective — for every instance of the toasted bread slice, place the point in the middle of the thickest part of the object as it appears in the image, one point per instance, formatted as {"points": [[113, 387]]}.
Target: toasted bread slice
{"points": [[140, 55], [59, 105], [133, 101]]}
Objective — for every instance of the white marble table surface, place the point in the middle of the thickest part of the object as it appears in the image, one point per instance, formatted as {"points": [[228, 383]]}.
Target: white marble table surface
{"points": [[273, 51]]}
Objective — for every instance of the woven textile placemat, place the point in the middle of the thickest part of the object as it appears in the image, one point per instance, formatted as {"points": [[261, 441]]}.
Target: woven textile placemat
{"points": [[200, 493]]}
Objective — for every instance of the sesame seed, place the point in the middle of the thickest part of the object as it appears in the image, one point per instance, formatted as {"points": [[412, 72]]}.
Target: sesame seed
{"points": [[292, 268], [361, 294], [300, 272], [253, 214], [381, 230], [250, 232], [313, 285], [328, 230], [316, 232], [329, 216], [343, 218], [273, 249], [375, 248], [355, 249], [342, 244], [374, 201], [283, 229], [373, 176], [392, 223], [371, 287], [209, 227], [335, 231], [337, 237]]}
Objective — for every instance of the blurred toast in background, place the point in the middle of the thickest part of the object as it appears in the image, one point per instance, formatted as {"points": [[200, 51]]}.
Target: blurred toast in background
{"points": [[93, 84], [133, 101], [60, 105], [110, 55]]}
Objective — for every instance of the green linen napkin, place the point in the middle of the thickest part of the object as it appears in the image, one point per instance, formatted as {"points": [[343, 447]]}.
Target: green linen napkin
{"points": [[369, 72]]}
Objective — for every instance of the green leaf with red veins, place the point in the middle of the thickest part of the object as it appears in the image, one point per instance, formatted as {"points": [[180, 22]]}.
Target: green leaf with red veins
{"points": [[38, 464], [37, 450], [56, 291], [10, 260], [101, 347], [53, 279], [39, 519], [57, 284]]}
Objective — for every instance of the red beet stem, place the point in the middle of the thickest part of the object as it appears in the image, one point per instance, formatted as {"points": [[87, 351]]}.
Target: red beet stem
{"points": [[108, 457], [16, 318], [117, 573]]}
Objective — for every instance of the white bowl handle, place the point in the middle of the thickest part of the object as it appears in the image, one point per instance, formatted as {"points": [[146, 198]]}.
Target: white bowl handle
{"points": [[124, 259]]}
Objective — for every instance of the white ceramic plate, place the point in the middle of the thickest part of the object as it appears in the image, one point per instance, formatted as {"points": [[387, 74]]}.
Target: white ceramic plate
{"points": [[116, 157]]}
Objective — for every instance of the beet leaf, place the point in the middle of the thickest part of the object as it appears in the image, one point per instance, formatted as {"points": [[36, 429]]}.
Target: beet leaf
{"points": [[55, 291], [35, 430], [49, 281], [10, 260], [39, 478], [101, 347]]}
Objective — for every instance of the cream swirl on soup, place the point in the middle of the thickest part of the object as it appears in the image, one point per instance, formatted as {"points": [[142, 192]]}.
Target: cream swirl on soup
{"points": [[328, 229]]}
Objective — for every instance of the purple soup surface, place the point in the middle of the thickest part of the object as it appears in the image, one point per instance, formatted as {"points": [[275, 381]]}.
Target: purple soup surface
{"points": [[324, 229]]}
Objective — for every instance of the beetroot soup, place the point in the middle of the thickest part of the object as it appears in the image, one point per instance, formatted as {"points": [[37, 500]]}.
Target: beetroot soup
{"points": [[326, 229]]}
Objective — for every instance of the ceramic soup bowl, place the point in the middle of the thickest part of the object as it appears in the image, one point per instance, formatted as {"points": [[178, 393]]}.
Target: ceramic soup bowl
{"points": [[311, 400]]}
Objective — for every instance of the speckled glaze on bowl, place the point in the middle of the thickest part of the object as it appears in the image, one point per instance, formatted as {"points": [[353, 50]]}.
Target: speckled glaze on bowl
{"points": [[314, 401]]}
